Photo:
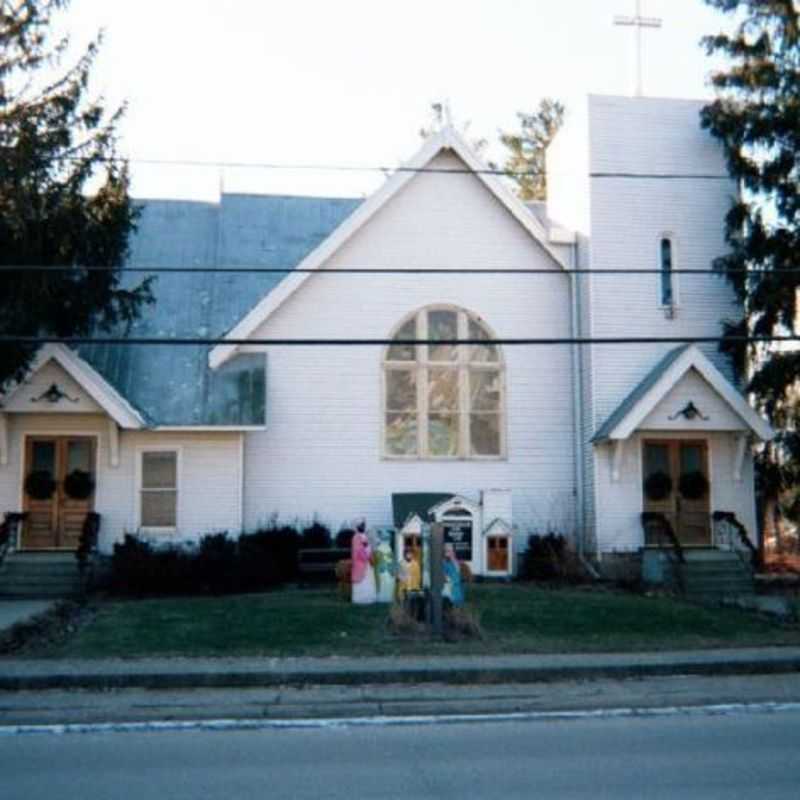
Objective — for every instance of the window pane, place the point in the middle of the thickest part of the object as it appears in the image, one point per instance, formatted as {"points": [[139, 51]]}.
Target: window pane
{"points": [[656, 459], [443, 325], [692, 458], [443, 434], [666, 272], [401, 390], [404, 352], [443, 390], [484, 432], [158, 509], [401, 434], [479, 352], [79, 455], [44, 457], [484, 390], [159, 470]]}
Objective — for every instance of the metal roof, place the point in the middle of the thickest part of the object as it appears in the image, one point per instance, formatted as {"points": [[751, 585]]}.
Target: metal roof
{"points": [[622, 410], [174, 385]]}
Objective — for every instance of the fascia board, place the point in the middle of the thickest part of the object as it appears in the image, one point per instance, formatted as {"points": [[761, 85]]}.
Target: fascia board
{"points": [[101, 391], [692, 358], [322, 253], [446, 139]]}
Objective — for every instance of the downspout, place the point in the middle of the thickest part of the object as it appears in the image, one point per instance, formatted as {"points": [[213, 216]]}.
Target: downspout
{"points": [[577, 417]]}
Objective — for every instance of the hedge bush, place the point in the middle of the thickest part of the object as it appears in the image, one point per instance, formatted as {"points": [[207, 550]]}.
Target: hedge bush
{"points": [[219, 564]]}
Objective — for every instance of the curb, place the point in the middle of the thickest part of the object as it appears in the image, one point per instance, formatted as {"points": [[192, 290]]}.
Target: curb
{"points": [[478, 674]]}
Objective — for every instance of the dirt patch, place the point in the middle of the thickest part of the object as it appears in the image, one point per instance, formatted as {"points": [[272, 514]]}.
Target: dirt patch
{"points": [[50, 629]]}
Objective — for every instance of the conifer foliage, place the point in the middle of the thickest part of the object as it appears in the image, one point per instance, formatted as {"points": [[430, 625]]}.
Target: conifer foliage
{"points": [[756, 116], [527, 148], [63, 192]]}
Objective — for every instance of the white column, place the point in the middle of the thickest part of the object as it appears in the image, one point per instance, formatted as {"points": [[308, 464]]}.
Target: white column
{"points": [[3, 440], [113, 444]]}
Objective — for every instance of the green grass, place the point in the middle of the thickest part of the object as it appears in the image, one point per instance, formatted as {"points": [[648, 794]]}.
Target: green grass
{"points": [[515, 619]]}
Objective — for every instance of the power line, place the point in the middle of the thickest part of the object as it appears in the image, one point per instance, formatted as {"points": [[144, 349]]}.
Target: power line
{"points": [[312, 167], [395, 270], [381, 342]]}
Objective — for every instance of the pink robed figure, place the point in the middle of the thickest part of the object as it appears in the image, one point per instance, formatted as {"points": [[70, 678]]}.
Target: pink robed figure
{"points": [[363, 575]]}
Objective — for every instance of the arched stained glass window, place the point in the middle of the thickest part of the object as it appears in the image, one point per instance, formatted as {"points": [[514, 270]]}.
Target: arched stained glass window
{"points": [[444, 400]]}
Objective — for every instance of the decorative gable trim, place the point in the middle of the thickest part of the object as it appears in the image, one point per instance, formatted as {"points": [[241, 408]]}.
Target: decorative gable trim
{"points": [[90, 380], [455, 503], [447, 139], [626, 420]]}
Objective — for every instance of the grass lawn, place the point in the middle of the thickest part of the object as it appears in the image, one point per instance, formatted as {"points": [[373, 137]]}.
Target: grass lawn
{"points": [[515, 618]]}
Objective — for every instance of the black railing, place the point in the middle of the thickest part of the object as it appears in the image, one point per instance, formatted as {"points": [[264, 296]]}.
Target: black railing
{"points": [[87, 544], [658, 531], [726, 525], [9, 531]]}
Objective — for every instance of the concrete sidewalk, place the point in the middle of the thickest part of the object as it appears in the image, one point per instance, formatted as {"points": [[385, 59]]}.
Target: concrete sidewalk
{"points": [[187, 673]]}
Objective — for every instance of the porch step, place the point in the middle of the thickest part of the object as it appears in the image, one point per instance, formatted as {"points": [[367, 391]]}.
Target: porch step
{"points": [[710, 576], [34, 575]]}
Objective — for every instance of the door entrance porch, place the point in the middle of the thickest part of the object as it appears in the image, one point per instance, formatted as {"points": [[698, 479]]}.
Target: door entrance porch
{"points": [[676, 484], [58, 490]]}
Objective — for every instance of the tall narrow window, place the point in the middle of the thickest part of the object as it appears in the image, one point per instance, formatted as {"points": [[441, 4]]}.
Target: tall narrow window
{"points": [[158, 490], [443, 400], [667, 288]]}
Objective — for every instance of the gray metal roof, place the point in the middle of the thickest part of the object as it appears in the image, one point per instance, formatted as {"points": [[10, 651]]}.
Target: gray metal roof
{"points": [[173, 385], [622, 410]]}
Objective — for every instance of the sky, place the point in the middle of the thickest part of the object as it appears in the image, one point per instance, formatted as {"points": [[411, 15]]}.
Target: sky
{"points": [[351, 82]]}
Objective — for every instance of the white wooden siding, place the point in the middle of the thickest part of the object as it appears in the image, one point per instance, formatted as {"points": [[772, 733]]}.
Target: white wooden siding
{"points": [[209, 499], [618, 515], [26, 398], [321, 452], [693, 388]]}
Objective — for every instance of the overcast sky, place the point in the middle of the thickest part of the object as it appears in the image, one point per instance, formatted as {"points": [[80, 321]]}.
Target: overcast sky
{"points": [[351, 81]]}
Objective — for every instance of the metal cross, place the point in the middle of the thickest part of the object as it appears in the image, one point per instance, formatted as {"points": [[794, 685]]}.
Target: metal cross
{"points": [[638, 22]]}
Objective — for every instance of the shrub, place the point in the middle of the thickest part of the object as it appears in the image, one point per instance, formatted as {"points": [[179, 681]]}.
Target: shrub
{"points": [[344, 538], [316, 536], [545, 559], [217, 564]]}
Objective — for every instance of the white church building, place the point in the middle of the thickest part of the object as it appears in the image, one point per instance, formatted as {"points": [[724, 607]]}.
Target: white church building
{"points": [[526, 427]]}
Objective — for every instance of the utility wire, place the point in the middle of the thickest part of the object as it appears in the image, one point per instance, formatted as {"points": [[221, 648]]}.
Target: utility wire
{"points": [[312, 167], [212, 341], [397, 270]]}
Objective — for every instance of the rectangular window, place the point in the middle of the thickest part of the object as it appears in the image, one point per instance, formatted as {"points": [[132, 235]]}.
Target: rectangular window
{"points": [[667, 293], [158, 492]]}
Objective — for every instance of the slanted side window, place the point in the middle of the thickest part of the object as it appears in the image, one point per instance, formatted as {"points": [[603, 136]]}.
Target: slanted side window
{"points": [[158, 490], [666, 264], [444, 400]]}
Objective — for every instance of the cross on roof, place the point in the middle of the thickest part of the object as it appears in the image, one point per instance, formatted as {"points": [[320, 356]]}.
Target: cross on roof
{"points": [[638, 21]]}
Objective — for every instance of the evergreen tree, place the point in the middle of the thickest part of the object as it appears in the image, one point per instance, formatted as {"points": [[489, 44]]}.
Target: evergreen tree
{"points": [[756, 116], [54, 145], [525, 162]]}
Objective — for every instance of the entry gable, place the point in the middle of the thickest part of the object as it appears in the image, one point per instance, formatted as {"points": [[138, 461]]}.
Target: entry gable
{"points": [[448, 140], [61, 381], [678, 394]]}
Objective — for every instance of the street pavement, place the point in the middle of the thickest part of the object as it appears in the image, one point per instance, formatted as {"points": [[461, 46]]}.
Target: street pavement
{"points": [[708, 756]]}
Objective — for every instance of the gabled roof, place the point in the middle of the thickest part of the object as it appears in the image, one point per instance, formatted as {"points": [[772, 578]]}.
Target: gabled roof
{"points": [[172, 385], [630, 413], [407, 504], [97, 387], [446, 140]]}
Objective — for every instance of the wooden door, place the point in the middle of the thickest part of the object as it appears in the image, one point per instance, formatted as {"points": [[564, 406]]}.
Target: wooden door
{"points": [[55, 521], [497, 559], [688, 511]]}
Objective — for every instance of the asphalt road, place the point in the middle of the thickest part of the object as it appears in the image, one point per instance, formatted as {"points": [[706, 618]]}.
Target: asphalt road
{"points": [[739, 755]]}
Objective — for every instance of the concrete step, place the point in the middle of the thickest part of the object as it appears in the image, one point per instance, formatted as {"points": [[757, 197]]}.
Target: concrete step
{"points": [[35, 575]]}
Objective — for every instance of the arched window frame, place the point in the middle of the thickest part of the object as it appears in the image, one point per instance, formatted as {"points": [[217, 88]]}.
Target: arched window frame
{"points": [[667, 278], [464, 367]]}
